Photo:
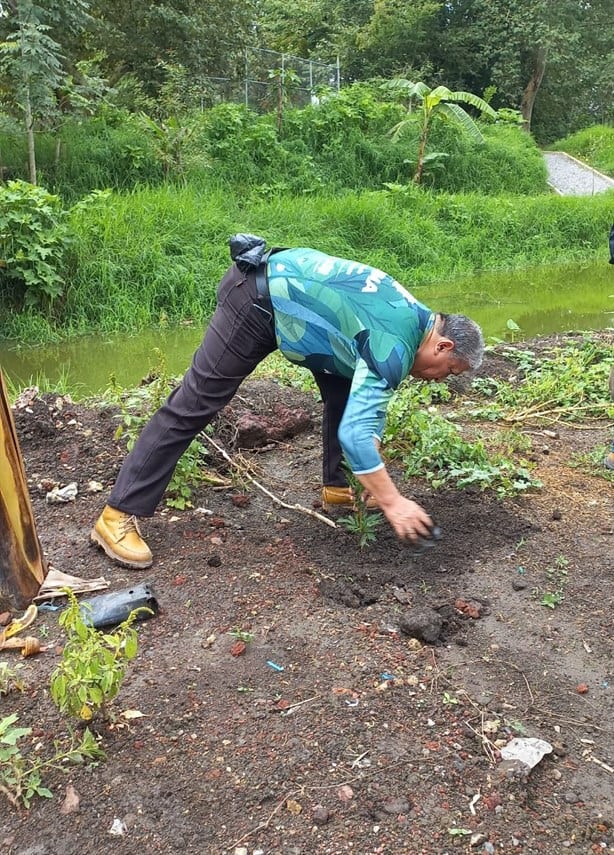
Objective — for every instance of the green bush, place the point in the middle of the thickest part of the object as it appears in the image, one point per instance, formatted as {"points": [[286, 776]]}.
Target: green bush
{"points": [[33, 242], [341, 143]]}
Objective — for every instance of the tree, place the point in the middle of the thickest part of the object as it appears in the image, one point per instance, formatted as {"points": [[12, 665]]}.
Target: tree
{"points": [[146, 38], [526, 49], [436, 104], [32, 65], [397, 37]]}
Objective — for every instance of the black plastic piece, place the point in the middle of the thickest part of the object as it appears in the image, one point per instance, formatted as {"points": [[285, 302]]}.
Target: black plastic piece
{"points": [[423, 543], [112, 609]]}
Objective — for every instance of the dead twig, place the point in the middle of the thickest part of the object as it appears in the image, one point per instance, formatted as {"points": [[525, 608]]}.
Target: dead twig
{"points": [[489, 747], [264, 825], [571, 721], [294, 507], [289, 710]]}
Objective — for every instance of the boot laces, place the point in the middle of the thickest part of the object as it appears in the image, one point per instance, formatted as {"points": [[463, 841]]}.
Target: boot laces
{"points": [[128, 524]]}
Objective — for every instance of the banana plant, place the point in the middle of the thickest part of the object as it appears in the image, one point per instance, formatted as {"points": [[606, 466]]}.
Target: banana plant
{"points": [[436, 104]]}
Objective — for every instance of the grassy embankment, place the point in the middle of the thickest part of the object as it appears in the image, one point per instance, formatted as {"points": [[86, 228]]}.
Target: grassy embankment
{"points": [[152, 250], [155, 256]]}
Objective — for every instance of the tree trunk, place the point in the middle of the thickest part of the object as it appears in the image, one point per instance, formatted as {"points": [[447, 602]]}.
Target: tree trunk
{"points": [[30, 137], [421, 148], [22, 566], [532, 88]]}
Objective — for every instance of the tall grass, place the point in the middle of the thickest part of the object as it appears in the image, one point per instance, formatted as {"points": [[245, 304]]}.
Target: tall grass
{"points": [[343, 143], [154, 256], [594, 145]]}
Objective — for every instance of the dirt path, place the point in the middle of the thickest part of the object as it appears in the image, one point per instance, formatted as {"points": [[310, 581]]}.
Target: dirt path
{"points": [[336, 731]]}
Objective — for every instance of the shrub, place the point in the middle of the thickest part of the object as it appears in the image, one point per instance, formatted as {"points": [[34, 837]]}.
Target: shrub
{"points": [[33, 239]]}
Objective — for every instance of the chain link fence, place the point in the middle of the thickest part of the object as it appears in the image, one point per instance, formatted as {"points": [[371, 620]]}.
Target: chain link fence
{"points": [[269, 75]]}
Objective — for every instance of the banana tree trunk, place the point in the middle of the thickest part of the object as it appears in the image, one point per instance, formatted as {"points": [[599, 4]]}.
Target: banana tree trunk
{"points": [[421, 149], [22, 566]]}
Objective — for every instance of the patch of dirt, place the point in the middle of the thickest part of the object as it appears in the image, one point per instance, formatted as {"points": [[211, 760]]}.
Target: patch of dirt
{"points": [[335, 731]]}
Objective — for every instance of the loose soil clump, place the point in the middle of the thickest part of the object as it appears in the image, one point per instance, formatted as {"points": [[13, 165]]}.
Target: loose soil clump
{"points": [[368, 707]]}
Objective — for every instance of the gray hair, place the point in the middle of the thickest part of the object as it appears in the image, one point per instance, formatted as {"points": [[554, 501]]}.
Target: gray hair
{"points": [[467, 338]]}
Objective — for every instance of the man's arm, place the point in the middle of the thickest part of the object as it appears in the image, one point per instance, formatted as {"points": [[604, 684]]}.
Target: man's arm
{"points": [[362, 422]]}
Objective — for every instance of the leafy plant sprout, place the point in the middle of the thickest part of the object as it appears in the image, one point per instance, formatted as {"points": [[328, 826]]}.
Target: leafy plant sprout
{"points": [[361, 522], [242, 635], [93, 664], [9, 678]]}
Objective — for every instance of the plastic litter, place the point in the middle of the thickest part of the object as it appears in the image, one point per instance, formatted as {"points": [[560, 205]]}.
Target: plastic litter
{"points": [[119, 828], [275, 666], [528, 750], [112, 609], [60, 495]]}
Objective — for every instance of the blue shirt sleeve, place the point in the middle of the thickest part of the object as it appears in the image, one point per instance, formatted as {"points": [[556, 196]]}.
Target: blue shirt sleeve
{"points": [[363, 420]]}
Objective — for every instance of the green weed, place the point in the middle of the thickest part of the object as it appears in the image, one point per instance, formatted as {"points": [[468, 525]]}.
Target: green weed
{"points": [[10, 679], [432, 447], [93, 664], [33, 242], [21, 777], [242, 635], [556, 580], [569, 384]]}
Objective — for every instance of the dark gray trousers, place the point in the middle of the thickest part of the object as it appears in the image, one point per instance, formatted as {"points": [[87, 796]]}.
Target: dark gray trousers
{"points": [[240, 335]]}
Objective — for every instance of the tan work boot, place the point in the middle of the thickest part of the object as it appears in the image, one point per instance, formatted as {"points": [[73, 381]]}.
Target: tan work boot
{"points": [[609, 460], [342, 497], [119, 535]]}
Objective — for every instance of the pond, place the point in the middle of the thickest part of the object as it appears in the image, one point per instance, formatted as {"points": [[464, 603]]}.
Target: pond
{"points": [[539, 302]]}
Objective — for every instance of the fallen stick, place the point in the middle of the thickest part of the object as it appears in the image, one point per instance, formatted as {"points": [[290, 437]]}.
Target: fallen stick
{"points": [[300, 508]]}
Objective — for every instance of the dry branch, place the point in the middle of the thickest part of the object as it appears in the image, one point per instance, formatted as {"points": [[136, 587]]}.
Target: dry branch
{"points": [[291, 507]]}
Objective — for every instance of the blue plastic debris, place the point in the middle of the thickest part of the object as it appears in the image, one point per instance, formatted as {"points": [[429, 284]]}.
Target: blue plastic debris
{"points": [[50, 607], [274, 666], [386, 676]]}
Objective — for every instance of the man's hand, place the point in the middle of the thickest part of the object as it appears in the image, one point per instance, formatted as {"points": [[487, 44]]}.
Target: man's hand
{"points": [[407, 518]]}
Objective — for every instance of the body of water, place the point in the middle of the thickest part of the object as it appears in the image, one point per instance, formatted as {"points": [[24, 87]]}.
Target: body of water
{"points": [[540, 302]]}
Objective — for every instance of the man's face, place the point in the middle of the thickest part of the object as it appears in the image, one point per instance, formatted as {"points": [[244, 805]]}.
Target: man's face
{"points": [[436, 361]]}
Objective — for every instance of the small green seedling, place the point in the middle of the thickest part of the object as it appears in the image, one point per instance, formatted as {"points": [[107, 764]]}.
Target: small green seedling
{"points": [[552, 599], [93, 664], [361, 522], [242, 635]]}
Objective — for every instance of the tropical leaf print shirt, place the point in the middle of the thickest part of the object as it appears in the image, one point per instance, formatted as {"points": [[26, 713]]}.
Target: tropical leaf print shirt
{"points": [[345, 318]]}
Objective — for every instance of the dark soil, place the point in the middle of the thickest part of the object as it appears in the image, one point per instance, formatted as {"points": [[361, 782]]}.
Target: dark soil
{"points": [[335, 731]]}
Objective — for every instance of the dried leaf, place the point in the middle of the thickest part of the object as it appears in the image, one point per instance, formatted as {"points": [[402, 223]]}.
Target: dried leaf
{"points": [[294, 807]]}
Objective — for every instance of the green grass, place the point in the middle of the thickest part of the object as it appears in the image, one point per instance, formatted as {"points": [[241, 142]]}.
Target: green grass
{"points": [[154, 256], [594, 145]]}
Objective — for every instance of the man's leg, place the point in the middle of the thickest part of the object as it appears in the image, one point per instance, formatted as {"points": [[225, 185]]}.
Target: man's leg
{"points": [[334, 391], [239, 336]]}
